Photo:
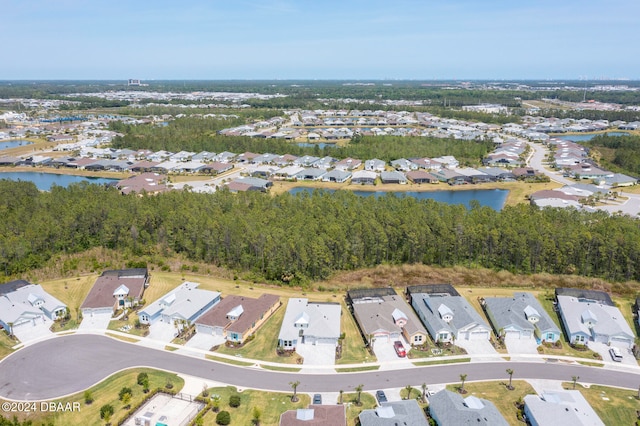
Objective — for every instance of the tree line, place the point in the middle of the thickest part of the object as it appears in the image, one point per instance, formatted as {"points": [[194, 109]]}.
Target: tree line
{"points": [[619, 153], [297, 238]]}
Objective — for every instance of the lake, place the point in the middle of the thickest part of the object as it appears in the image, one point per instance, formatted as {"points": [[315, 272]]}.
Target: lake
{"points": [[494, 198], [13, 143], [583, 138], [44, 181]]}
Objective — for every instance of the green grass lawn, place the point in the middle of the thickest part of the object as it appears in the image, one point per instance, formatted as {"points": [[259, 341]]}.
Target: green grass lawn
{"points": [[353, 348], [353, 411], [502, 398], [271, 405], [71, 291], [6, 344], [107, 393], [263, 347], [614, 406], [71, 324]]}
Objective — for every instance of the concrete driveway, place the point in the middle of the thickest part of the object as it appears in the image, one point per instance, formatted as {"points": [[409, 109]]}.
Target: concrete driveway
{"points": [[317, 354], [203, 342], [29, 332], [603, 350], [95, 322], [477, 348], [521, 346], [387, 356], [160, 333]]}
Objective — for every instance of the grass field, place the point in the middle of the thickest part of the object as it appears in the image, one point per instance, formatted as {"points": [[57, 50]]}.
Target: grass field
{"points": [[613, 406], [353, 349], [353, 411], [6, 344], [71, 291], [107, 393], [271, 405], [502, 398]]}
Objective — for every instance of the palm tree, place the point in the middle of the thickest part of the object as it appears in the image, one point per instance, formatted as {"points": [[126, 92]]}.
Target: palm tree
{"points": [[294, 386], [463, 377], [424, 392], [359, 390], [510, 373], [341, 392], [408, 388], [575, 379]]}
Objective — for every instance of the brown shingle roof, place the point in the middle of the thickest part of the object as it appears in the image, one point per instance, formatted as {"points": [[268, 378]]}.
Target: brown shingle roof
{"points": [[101, 294], [325, 415], [253, 309]]}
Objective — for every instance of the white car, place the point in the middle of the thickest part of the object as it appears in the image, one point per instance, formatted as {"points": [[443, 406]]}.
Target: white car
{"points": [[615, 353]]}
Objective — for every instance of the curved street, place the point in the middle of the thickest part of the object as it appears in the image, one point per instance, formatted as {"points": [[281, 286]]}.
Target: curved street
{"points": [[68, 364]]}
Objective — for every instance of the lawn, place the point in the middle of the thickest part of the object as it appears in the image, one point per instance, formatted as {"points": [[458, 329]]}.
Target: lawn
{"points": [[71, 291], [271, 405], [353, 349], [353, 411], [107, 393], [263, 347], [502, 398], [6, 344], [614, 406]]}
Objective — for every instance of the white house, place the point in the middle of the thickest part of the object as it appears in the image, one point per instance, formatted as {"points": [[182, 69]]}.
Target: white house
{"points": [[29, 305], [309, 323]]}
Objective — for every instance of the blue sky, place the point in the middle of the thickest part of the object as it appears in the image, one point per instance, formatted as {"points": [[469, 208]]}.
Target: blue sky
{"points": [[347, 39]]}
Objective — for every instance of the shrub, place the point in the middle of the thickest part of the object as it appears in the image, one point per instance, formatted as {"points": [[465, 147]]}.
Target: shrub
{"points": [[88, 397], [223, 418], [234, 401], [125, 390], [106, 411], [142, 377]]}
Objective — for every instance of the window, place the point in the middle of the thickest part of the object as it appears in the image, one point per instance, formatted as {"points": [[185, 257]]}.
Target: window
{"points": [[418, 339], [549, 336], [443, 336]]}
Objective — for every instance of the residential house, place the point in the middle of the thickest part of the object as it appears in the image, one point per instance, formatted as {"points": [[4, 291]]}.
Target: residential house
{"points": [[27, 305], [394, 413], [115, 289], [315, 415], [252, 184], [309, 323], [520, 317], [420, 176], [348, 164], [450, 408], [383, 314], [449, 318], [364, 177], [560, 407], [149, 183], [451, 177], [375, 165], [311, 173], [586, 319], [216, 167], [338, 176], [236, 317], [553, 198], [393, 177], [182, 305]]}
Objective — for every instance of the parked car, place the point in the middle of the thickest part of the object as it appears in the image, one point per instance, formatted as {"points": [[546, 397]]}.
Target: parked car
{"points": [[616, 355], [317, 399], [399, 347], [381, 397]]}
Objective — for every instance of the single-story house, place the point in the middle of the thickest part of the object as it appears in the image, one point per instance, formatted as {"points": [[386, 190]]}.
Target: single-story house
{"points": [[338, 176], [185, 303], [311, 173], [450, 408], [420, 176], [309, 323], [560, 407], [375, 165], [393, 177], [590, 320], [237, 317], [364, 177], [383, 314], [449, 318], [315, 415], [28, 305], [520, 317], [150, 183], [115, 289], [395, 413], [252, 184]]}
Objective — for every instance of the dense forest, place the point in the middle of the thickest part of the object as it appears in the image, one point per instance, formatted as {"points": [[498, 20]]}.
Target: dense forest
{"points": [[294, 239], [619, 153], [198, 134]]}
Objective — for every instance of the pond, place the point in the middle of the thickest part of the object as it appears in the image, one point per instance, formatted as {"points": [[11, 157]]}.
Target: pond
{"points": [[494, 198], [44, 181], [583, 138], [13, 143]]}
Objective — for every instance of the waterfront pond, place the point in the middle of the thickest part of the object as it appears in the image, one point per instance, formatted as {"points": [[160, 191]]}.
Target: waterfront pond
{"points": [[583, 138], [44, 181], [13, 143], [494, 198]]}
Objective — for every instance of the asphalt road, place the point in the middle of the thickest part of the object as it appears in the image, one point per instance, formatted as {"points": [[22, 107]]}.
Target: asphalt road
{"points": [[68, 364]]}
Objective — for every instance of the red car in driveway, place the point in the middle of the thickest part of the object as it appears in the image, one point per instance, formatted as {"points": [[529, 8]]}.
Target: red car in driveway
{"points": [[399, 347]]}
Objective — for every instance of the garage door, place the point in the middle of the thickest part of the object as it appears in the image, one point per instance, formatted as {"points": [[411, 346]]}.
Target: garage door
{"points": [[204, 329], [620, 343], [479, 335], [381, 337], [325, 341], [512, 334]]}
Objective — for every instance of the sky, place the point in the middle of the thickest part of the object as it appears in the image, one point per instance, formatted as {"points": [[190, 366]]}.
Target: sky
{"points": [[321, 39]]}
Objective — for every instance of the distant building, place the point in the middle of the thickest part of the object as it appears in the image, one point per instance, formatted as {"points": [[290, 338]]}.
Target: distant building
{"points": [[134, 82]]}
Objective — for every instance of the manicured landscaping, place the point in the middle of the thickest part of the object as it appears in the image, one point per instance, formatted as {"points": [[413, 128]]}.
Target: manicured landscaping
{"points": [[123, 338], [6, 344], [271, 405], [353, 410], [434, 361], [274, 368], [356, 369], [107, 393], [497, 392], [263, 347], [71, 291], [228, 361], [353, 348], [614, 406]]}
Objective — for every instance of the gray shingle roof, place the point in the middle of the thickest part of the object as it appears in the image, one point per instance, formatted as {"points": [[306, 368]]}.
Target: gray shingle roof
{"points": [[514, 311], [433, 306], [397, 413], [449, 408]]}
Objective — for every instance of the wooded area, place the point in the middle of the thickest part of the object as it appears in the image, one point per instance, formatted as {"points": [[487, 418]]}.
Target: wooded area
{"points": [[294, 239]]}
